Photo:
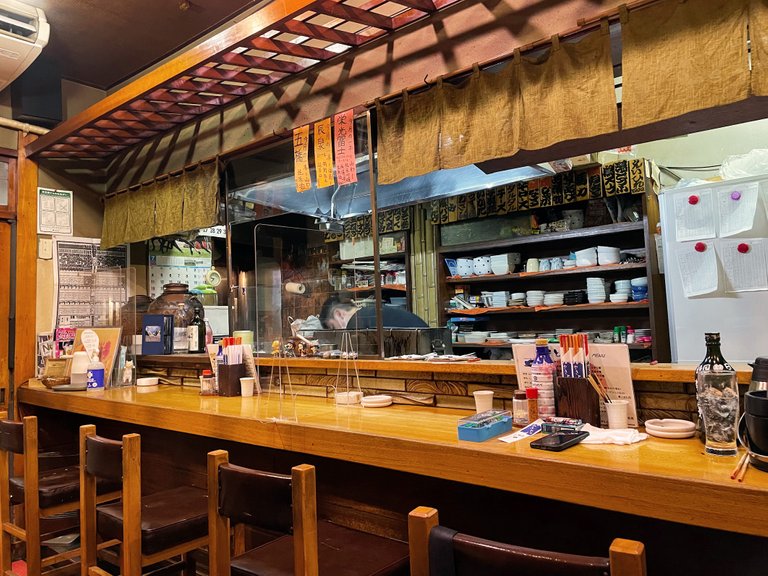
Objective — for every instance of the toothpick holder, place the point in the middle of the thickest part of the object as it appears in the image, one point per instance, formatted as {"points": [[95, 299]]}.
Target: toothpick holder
{"points": [[575, 398]]}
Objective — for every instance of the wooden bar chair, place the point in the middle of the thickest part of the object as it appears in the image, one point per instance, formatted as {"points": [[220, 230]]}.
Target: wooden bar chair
{"points": [[43, 493], [440, 551], [149, 529], [286, 504]]}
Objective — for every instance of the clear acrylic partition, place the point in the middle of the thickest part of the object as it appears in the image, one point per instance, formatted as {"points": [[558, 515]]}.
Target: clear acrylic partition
{"points": [[298, 287]]}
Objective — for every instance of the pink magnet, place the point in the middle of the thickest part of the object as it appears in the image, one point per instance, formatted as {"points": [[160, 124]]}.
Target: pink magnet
{"points": [[743, 247], [736, 195], [693, 199], [700, 247]]}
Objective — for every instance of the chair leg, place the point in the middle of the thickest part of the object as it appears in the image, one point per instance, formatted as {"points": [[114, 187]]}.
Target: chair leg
{"points": [[5, 514], [190, 566]]}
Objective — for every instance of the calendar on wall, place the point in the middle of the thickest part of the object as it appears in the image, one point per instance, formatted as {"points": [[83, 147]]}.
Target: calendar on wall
{"points": [[177, 261]]}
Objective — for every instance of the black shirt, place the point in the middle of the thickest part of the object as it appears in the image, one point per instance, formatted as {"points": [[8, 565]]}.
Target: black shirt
{"points": [[391, 317]]}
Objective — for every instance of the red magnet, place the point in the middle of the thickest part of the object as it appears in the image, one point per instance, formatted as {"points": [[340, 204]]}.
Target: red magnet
{"points": [[693, 199], [736, 195], [700, 247], [743, 248]]}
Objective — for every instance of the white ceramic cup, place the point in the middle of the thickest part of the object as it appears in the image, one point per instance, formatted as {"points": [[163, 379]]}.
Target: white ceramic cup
{"points": [[617, 413], [483, 400], [246, 386]]}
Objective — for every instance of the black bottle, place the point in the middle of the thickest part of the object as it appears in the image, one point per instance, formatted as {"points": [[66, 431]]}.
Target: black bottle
{"points": [[714, 358], [196, 334]]}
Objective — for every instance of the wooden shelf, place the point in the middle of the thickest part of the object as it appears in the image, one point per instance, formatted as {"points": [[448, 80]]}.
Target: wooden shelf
{"points": [[382, 257], [606, 306], [398, 287], [592, 231], [550, 273]]}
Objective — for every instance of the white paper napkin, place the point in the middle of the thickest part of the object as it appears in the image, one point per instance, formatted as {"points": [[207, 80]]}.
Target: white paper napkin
{"points": [[617, 436]]}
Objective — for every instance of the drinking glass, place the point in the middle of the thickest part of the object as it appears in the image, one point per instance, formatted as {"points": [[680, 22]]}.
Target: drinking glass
{"points": [[717, 395]]}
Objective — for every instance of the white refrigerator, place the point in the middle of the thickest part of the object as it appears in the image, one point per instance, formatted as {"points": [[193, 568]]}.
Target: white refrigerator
{"points": [[715, 255]]}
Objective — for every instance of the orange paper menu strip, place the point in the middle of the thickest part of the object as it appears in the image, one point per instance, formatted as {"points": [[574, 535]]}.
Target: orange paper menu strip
{"points": [[323, 153], [301, 158], [344, 139]]}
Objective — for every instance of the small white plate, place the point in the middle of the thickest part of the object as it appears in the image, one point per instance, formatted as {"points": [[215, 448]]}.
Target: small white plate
{"points": [[670, 428], [377, 401]]}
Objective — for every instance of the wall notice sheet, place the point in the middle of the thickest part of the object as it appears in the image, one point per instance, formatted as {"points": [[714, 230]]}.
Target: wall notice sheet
{"points": [[694, 215], [89, 283], [744, 264], [737, 206], [54, 211], [697, 263]]}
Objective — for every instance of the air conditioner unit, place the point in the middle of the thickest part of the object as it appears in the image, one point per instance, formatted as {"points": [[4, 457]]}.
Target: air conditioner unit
{"points": [[24, 32]]}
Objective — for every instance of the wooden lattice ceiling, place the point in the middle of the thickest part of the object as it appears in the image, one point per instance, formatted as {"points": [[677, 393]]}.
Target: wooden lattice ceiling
{"points": [[282, 39]]}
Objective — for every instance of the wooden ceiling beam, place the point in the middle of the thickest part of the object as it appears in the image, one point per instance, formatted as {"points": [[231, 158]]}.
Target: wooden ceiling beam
{"points": [[166, 95], [290, 49], [236, 76], [331, 8], [168, 107], [259, 22], [326, 34], [424, 5], [215, 88], [260, 63]]}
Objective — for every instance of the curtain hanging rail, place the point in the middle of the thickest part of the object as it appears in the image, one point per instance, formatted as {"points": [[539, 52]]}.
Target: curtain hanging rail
{"points": [[162, 177], [583, 25]]}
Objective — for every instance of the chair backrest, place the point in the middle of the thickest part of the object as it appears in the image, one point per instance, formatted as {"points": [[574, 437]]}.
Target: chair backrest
{"points": [[116, 460], [273, 501], [436, 550], [12, 435]]}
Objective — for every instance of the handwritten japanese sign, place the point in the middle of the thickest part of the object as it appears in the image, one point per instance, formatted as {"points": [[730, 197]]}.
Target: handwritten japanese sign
{"points": [[344, 139], [301, 158], [323, 153]]}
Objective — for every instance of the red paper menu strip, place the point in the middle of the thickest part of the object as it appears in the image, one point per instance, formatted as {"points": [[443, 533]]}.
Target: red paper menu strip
{"points": [[323, 153], [344, 139], [301, 158]]}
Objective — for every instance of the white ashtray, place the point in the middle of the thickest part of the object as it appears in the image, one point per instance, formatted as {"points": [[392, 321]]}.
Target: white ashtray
{"points": [[377, 401], [347, 398], [147, 381], [670, 428]]}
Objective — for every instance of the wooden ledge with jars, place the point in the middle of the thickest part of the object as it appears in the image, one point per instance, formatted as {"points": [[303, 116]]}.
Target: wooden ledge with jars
{"points": [[670, 480]]}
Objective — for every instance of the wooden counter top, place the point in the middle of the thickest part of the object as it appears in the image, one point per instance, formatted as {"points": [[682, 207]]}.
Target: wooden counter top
{"points": [[666, 479], [640, 371]]}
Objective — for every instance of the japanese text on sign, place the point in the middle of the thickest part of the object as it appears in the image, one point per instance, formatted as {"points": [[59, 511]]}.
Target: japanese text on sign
{"points": [[344, 139], [323, 153], [301, 158]]}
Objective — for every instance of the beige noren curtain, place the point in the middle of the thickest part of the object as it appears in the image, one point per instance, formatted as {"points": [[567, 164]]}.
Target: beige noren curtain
{"points": [[408, 136], [169, 206], [679, 57], [758, 36], [568, 93]]}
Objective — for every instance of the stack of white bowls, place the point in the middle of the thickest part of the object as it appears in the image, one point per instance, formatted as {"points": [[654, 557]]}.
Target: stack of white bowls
{"points": [[534, 297], [482, 265], [500, 264], [553, 299], [595, 290], [608, 255], [465, 267], [586, 257], [517, 299], [623, 288], [475, 337]]}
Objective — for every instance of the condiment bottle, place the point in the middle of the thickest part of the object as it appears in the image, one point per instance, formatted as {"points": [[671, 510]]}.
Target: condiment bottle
{"points": [[543, 378], [95, 373], [532, 395], [519, 408], [630, 335], [207, 384]]}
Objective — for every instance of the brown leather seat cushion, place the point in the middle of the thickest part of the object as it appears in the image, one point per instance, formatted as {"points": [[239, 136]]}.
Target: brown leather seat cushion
{"points": [[168, 518], [58, 486], [341, 552]]}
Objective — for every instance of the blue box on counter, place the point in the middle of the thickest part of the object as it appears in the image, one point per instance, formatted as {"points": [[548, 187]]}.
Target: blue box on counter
{"points": [[480, 427]]}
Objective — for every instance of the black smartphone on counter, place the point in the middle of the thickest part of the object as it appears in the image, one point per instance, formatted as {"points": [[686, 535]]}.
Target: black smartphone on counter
{"points": [[559, 441]]}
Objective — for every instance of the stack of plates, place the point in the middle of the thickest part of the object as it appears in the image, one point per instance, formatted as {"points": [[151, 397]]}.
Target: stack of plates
{"points": [[499, 336], [575, 297], [517, 299], [553, 299], [498, 299], [475, 337], [377, 401], [642, 335], [534, 297], [595, 290], [563, 331], [569, 263], [547, 335]]}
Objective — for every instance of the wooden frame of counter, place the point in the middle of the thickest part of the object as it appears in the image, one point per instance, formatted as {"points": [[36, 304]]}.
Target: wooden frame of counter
{"points": [[664, 479]]}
